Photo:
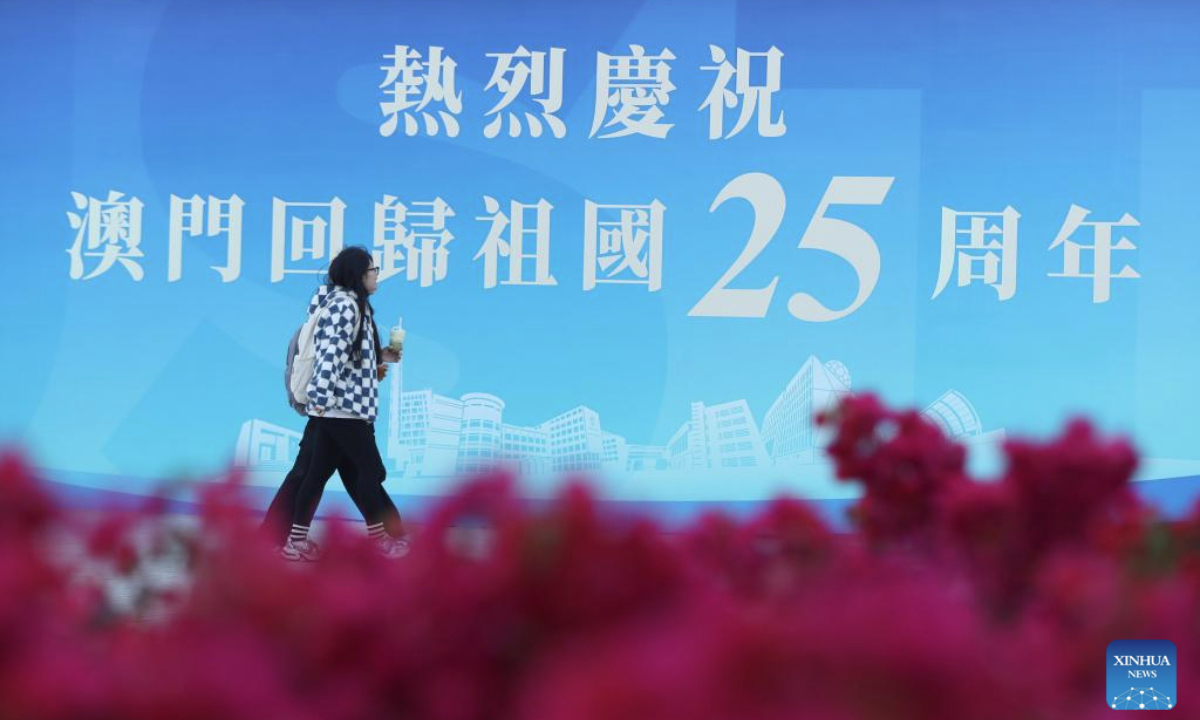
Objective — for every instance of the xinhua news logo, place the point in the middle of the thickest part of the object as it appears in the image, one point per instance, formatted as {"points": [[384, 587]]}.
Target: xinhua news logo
{"points": [[1141, 675]]}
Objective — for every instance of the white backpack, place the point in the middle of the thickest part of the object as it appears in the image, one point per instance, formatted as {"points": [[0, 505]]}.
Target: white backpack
{"points": [[302, 355]]}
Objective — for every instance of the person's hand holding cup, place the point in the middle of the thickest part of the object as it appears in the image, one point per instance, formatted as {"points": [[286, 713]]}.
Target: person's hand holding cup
{"points": [[395, 349]]}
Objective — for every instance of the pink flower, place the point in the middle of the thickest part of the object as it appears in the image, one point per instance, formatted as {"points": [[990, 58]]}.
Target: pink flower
{"points": [[904, 463]]}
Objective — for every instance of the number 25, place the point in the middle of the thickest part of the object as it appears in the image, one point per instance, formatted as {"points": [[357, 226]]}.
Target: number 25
{"points": [[844, 239]]}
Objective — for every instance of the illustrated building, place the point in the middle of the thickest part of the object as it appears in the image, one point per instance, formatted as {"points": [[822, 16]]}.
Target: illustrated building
{"points": [[721, 436], [789, 430], [955, 415], [263, 446]]}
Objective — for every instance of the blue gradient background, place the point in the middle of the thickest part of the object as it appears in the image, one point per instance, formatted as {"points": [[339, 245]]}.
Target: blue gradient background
{"points": [[970, 105]]}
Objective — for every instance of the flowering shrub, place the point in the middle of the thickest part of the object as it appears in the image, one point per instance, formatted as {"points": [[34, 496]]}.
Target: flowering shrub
{"points": [[950, 598]]}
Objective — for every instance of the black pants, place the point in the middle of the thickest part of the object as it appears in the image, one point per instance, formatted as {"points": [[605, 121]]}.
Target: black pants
{"points": [[348, 444], [278, 521]]}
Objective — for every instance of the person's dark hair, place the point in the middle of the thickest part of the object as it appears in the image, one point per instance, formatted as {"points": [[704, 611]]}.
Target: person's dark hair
{"points": [[347, 271]]}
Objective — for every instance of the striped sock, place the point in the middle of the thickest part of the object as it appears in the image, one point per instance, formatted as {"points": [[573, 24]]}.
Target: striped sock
{"points": [[299, 532], [376, 531]]}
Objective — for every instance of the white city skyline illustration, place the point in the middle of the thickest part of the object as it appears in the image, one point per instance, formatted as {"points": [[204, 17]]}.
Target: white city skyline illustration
{"points": [[430, 435]]}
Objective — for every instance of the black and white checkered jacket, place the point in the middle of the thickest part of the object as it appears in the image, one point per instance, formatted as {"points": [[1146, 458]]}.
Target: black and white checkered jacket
{"points": [[341, 384]]}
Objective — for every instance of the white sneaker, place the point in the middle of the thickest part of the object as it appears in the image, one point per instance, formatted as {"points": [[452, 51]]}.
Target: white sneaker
{"points": [[393, 548], [300, 551]]}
